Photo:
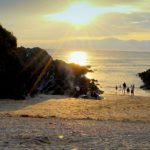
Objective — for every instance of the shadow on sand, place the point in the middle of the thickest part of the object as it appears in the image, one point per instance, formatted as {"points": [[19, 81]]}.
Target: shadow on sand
{"points": [[8, 105]]}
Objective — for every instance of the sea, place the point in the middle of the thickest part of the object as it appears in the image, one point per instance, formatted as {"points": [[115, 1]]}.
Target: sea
{"points": [[113, 68]]}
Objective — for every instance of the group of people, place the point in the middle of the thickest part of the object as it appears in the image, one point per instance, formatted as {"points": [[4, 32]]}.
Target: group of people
{"points": [[126, 89]]}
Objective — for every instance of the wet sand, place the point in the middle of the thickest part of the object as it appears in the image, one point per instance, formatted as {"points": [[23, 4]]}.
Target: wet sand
{"points": [[56, 122]]}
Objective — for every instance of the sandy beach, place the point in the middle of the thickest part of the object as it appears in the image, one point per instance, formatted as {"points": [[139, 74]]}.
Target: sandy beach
{"points": [[56, 122], [112, 107], [19, 133]]}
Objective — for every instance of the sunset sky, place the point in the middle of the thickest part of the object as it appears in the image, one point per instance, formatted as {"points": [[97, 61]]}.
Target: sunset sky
{"points": [[97, 24]]}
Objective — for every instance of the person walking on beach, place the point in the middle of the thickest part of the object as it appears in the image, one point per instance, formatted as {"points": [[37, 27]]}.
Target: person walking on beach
{"points": [[116, 88], [132, 89], [124, 87]]}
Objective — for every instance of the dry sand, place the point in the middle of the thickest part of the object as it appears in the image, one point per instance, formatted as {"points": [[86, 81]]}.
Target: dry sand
{"points": [[19, 133], [56, 122], [112, 107]]}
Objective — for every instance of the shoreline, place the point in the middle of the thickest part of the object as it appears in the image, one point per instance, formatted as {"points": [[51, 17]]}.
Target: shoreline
{"points": [[138, 92]]}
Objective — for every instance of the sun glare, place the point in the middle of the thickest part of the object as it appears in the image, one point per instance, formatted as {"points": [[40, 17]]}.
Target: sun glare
{"points": [[77, 14], [78, 58], [80, 14]]}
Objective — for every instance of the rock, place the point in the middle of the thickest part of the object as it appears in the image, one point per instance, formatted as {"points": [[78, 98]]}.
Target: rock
{"points": [[145, 76], [35, 63], [29, 71], [9, 65], [8, 42], [62, 78]]}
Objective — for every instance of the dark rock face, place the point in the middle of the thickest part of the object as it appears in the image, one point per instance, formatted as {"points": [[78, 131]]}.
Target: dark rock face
{"points": [[145, 76], [62, 78], [9, 65], [7, 41], [34, 64], [25, 71]]}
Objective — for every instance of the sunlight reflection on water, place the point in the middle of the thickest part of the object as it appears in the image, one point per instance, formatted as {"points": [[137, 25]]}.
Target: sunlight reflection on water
{"points": [[112, 68]]}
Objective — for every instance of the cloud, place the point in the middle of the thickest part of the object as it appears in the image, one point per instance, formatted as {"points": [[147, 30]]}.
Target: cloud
{"points": [[24, 19], [118, 23], [135, 3], [54, 6], [32, 6], [115, 2]]}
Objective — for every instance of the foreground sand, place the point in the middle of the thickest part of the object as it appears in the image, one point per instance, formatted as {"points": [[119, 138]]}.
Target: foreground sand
{"points": [[112, 107], [56, 122], [19, 133]]}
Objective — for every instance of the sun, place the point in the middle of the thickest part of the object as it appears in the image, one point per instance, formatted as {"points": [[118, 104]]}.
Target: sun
{"points": [[78, 57]]}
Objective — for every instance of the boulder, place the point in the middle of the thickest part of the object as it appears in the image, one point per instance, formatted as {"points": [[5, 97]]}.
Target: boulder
{"points": [[145, 76], [63, 78], [34, 62]]}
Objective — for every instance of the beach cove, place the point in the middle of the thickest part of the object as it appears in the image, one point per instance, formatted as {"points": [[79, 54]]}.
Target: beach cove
{"points": [[58, 122], [74, 75]]}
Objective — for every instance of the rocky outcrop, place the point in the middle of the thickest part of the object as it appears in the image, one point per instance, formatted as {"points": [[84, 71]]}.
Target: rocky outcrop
{"points": [[26, 71], [34, 64], [62, 78], [145, 76], [41, 74], [9, 65]]}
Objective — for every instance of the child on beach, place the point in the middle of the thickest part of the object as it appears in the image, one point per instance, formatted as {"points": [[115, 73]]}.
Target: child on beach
{"points": [[128, 90]]}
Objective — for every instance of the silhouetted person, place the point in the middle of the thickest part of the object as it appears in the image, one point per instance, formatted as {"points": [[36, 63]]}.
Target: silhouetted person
{"points": [[124, 87], [128, 90], [116, 88], [132, 90], [133, 86]]}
